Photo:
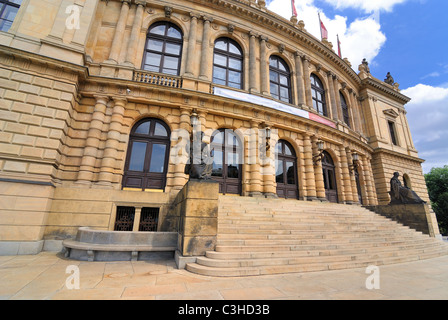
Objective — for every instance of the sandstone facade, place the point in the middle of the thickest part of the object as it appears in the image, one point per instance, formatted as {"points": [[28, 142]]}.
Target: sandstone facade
{"points": [[72, 91]]}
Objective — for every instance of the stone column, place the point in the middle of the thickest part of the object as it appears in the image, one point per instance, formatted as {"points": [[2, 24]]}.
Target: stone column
{"points": [[337, 98], [300, 81], [205, 49], [318, 176], [86, 169], [256, 178], [268, 165], [117, 43], [307, 80], [135, 33], [191, 45], [333, 106], [373, 197], [252, 64], [309, 169], [353, 184], [180, 156], [137, 217], [264, 66], [108, 163], [368, 181], [346, 182]]}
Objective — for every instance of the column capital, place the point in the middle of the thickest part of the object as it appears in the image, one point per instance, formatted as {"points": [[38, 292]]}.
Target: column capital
{"points": [[207, 19], [128, 2], [253, 34], [101, 98], [194, 16], [120, 101], [140, 2], [264, 38]]}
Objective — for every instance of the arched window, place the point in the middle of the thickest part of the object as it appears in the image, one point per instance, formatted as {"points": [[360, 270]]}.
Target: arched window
{"points": [[318, 95], [344, 107], [227, 151], [280, 79], [228, 63], [163, 50], [286, 171], [147, 159], [329, 173]]}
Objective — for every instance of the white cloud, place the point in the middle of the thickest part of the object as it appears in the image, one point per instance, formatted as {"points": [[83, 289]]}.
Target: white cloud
{"points": [[427, 116], [365, 5], [360, 39]]}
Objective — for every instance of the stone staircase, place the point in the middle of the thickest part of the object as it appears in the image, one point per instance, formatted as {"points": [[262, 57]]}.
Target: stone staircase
{"points": [[272, 236]]}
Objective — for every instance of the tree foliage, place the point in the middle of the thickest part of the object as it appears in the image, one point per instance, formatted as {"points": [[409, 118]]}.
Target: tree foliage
{"points": [[437, 183]]}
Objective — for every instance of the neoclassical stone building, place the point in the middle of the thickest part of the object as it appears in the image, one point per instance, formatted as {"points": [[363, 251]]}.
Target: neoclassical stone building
{"points": [[98, 99]]}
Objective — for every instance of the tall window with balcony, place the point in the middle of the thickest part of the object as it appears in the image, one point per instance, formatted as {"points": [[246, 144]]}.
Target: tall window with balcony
{"points": [[280, 79], [163, 50], [8, 12], [318, 95], [228, 63]]}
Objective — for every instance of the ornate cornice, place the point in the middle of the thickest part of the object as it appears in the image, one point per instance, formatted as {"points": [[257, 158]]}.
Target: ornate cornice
{"points": [[371, 83]]}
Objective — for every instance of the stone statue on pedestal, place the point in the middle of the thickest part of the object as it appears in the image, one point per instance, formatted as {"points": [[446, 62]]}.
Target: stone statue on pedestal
{"points": [[201, 161], [402, 195]]}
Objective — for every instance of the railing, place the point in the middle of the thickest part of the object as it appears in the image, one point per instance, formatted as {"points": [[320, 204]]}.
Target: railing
{"points": [[158, 79]]}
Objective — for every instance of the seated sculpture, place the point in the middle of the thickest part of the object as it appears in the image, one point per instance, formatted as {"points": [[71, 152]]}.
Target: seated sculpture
{"points": [[402, 195], [201, 161]]}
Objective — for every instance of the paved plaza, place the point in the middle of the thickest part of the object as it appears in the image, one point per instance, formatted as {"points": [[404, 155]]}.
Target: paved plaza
{"points": [[46, 277]]}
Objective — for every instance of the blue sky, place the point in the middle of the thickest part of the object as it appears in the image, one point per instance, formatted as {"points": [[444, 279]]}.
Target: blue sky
{"points": [[408, 38]]}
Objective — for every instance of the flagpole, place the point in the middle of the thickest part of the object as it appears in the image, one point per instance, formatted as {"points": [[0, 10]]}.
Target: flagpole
{"points": [[320, 26]]}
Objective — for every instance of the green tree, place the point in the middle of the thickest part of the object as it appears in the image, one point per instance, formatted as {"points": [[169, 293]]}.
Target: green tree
{"points": [[437, 183]]}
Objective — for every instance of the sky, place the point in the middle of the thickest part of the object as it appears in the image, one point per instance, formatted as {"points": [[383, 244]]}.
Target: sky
{"points": [[409, 39]]}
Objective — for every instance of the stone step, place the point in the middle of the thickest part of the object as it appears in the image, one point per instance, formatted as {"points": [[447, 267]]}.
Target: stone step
{"points": [[291, 260], [320, 247], [318, 252], [300, 268], [269, 236]]}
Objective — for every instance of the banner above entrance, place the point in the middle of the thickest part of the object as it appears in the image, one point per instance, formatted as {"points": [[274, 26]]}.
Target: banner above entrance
{"points": [[271, 104]]}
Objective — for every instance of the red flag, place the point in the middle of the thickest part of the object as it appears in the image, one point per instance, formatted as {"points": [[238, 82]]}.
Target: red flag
{"points": [[294, 10], [323, 30]]}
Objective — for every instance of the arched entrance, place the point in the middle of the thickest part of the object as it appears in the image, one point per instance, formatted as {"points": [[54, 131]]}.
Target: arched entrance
{"points": [[227, 152], [329, 173], [286, 171], [147, 158]]}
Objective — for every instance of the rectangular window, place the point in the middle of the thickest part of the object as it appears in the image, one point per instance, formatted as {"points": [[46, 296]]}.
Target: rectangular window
{"points": [[8, 12], [125, 219], [149, 219], [392, 133]]}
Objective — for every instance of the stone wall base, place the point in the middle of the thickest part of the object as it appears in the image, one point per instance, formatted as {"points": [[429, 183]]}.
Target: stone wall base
{"points": [[416, 216]]}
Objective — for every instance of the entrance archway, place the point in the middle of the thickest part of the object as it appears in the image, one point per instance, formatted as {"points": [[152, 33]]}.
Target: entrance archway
{"points": [[286, 171], [227, 152], [329, 173]]}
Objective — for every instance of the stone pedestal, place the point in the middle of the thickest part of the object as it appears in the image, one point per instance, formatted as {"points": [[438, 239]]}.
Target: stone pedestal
{"points": [[197, 207], [416, 216]]}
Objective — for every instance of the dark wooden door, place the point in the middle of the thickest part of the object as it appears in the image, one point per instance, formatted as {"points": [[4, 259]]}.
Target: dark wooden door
{"points": [[227, 152], [286, 171], [148, 152], [329, 173]]}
